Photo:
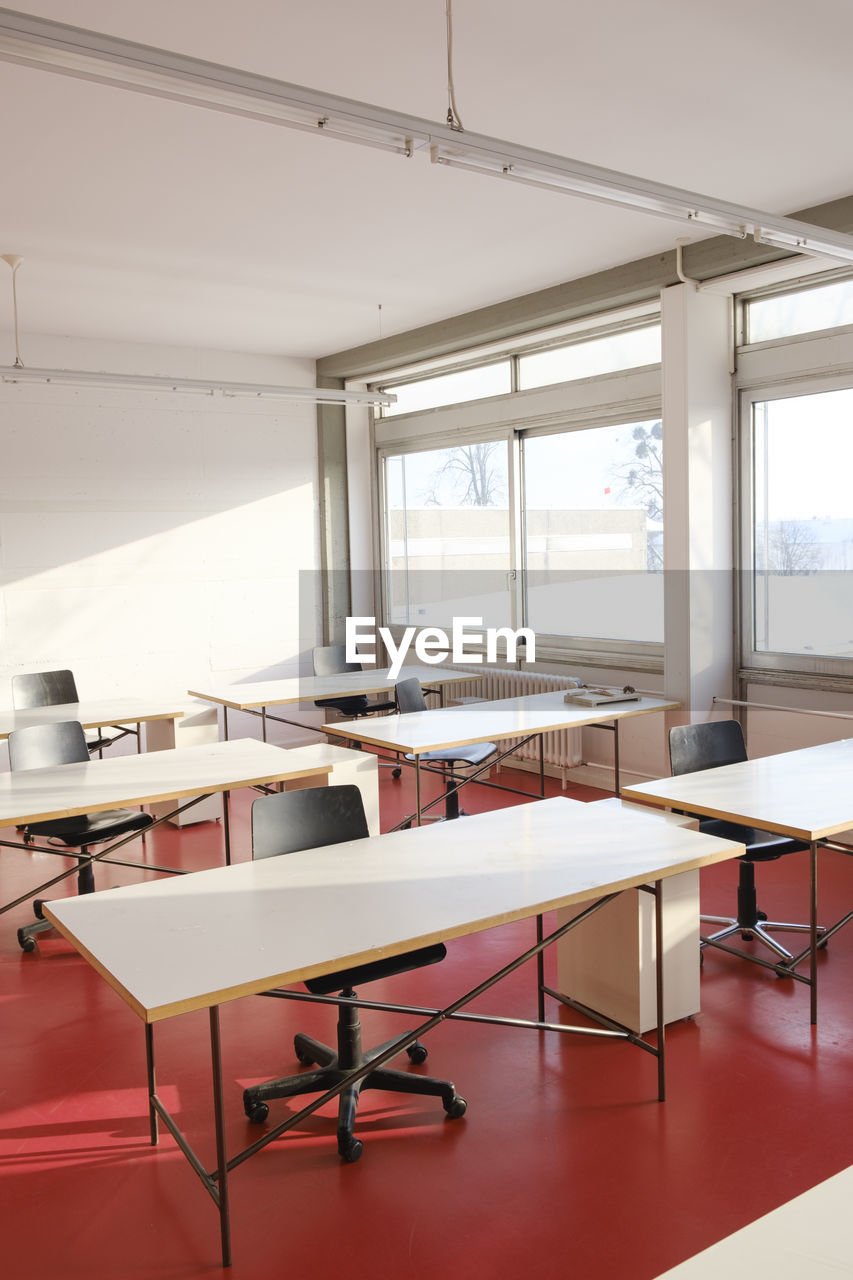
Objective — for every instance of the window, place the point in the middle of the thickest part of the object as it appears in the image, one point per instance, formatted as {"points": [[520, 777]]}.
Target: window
{"points": [[593, 532], [626, 349], [447, 535], [450, 388], [629, 339], [532, 494], [804, 311], [799, 595]]}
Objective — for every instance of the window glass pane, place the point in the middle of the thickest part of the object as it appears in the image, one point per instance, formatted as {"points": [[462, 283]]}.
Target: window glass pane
{"points": [[450, 388], [627, 350], [447, 535], [803, 526], [593, 533], [785, 314]]}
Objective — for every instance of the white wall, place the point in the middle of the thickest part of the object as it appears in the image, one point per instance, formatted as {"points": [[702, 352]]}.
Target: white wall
{"points": [[154, 541]]}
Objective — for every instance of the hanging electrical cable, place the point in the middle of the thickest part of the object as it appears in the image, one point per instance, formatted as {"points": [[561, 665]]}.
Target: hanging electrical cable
{"points": [[14, 260], [453, 117]]}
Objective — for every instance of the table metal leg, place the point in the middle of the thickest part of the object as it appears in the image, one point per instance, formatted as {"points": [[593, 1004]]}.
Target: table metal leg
{"points": [[226, 825], [154, 1128], [540, 971], [418, 787], [659, 988], [813, 928], [219, 1121]]}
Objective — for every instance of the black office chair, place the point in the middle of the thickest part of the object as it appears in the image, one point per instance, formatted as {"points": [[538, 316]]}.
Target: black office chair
{"points": [[331, 660], [307, 819], [410, 697], [694, 747], [55, 688], [65, 743]]}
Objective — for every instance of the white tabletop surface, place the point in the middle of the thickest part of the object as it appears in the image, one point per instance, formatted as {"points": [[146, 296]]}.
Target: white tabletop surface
{"points": [[34, 795], [809, 1238], [93, 714], [807, 794], [198, 940], [419, 731], [269, 693]]}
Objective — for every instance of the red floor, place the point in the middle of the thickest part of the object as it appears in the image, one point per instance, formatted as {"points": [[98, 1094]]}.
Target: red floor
{"points": [[564, 1165]]}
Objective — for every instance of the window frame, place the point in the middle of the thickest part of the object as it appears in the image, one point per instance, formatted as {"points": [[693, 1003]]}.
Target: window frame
{"points": [[788, 289], [643, 657], [633, 655], [774, 666], [575, 333], [617, 398]]}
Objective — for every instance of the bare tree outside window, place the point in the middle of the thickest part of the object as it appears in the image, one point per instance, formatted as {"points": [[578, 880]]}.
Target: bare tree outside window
{"points": [[642, 479], [471, 472], [792, 548]]}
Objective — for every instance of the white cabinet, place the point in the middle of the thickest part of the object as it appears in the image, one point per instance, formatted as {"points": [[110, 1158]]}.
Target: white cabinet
{"points": [[608, 962]]}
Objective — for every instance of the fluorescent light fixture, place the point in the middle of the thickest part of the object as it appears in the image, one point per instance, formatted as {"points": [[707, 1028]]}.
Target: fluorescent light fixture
{"points": [[198, 386], [89, 55], [809, 241]]}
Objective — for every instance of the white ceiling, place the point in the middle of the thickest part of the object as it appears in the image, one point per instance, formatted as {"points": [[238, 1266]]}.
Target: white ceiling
{"points": [[152, 221]]}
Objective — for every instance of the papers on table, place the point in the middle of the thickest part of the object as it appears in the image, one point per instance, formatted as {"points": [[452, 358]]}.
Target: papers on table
{"points": [[599, 697]]}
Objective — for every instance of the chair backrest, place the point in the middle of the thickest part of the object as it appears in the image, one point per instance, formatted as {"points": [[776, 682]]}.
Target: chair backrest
{"points": [[410, 695], [306, 819], [693, 747], [43, 689], [331, 660], [45, 744]]}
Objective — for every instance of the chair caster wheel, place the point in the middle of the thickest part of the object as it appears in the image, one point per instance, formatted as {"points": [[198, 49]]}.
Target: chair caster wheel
{"points": [[396, 773], [350, 1149], [256, 1112], [456, 1108], [26, 943], [417, 1053], [304, 1059]]}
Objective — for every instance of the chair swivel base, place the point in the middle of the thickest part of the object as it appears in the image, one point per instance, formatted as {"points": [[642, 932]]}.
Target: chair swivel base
{"points": [[333, 1066], [27, 933], [752, 923]]}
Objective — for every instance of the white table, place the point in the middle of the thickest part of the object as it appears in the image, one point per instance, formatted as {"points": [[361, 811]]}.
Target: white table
{"points": [[267, 924], [162, 720], [98, 713], [808, 1238], [524, 718], [61, 791], [255, 698], [806, 794]]}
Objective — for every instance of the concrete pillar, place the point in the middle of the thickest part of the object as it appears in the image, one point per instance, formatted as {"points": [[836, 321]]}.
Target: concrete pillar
{"points": [[698, 501]]}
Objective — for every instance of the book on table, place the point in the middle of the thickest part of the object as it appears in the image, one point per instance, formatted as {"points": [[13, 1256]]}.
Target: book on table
{"points": [[599, 697]]}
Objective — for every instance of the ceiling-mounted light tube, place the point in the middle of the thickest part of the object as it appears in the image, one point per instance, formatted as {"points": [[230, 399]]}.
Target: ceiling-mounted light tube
{"points": [[85, 55], [197, 386], [55, 46], [795, 243], [602, 193]]}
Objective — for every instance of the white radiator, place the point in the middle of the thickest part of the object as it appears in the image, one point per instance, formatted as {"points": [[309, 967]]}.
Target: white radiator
{"points": [[562, 749]]}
